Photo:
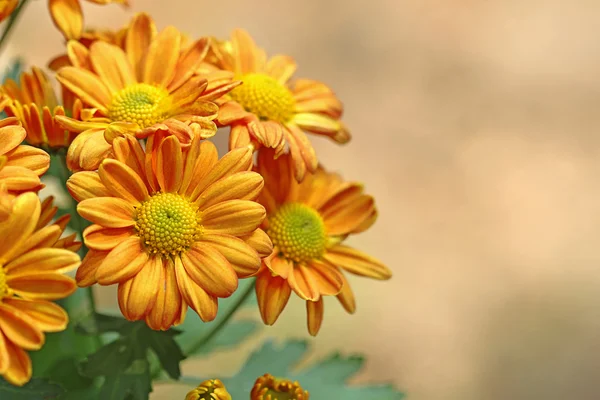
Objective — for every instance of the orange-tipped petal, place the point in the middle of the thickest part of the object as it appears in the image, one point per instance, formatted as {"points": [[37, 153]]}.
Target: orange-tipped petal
{"points": [[169, 165], [162, 57], [272, 293], [42, 286], [357, 262], [167, 308], [279, 265], [32, 158], [242, 185], [19, 370], [260, 242], [242, 257], [111, 64], [140, 34], [327, 278], [20, 329], [86, 185], [233, 217], [144, 288], [189, 62], [210, 269], [303, 282], [205, 304], [44, 260], [48, 316], [86, 85], [123, 262], [122, 181], [346, 297], [107, 211], [20, 225], [67, 16], [314, 316], [98, 237]]}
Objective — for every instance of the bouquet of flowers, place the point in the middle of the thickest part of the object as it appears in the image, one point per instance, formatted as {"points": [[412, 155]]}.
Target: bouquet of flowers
{"points": [[188, 236]]}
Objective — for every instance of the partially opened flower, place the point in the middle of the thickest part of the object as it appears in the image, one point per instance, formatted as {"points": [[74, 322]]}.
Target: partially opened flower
{"points": [[68, 16], [212, 389], [268, 110], [307, 223], [171, 227], [134, 90], [6, 8], [33, 260], [20, 165], [267, 387], [34, 103]]}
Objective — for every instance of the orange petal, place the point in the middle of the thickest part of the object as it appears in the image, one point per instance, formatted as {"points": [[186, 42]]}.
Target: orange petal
{"points": [[23, 220], [111, 64], [19, 179], [233, 217], [188, 63], [88, 150], [242, 257], [281, 68], [268, 134], [278, 265], [123, 262], [87, 86], [306, 148], [98, 237], [48, 316], [169, 165], [260, 242], [205, 305], [231, 112], [86, 273], [239, 137], [4, 359], [272, 293], [162, 57], [245, 49], [107, 211], [43, 286], [299, 166], [167, 309], [303, 282], [140, 34], [45, 237], [327, 278], [11, 136], [86, 185], [237, 160], [29, 157], [78, 55], [242, 185], [122, 181], [129, 151], [20, 329], [347, 210], [144, 288], [357, 262], [277, 173], [202, 165], [19, 370], [314, 316], [346, 297], [67, 16], [210, 269], [44, 260]]}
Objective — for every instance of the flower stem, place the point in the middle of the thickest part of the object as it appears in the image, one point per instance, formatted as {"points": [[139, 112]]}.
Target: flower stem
{"points": [[11, 22]]}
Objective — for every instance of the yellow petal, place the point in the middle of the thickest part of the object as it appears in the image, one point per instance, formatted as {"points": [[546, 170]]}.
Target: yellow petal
{"points": [[20, 329], [189, 62], [48, 316], [10, 137], [204, 304], [107, 211], [357, 262], [269, 134], [122, 181], [23, 220], [314, 313], [86, 185], [67, 17], [111, 64], [140, 34], [272, 293], [281, 68], [45, 237], [242, 185], [210, 269], [162, 57], [260, 242], [242, 257], [19, 179], [233, 217], [87, 86], [44, 260], [32, 158], [98, 237], [43, 286], [169, 165], [202, 164], [123, 262], [246, 52], [144, 288]]}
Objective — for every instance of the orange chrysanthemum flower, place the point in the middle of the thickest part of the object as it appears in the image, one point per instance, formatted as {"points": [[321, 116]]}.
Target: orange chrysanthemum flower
{"points": [[267, 387], [269, 111], [212, 389], [307, 223], [20, 166], [173, 228], [6, 8], [135, 90], [35, 105], [33, 260], [68, 17]]}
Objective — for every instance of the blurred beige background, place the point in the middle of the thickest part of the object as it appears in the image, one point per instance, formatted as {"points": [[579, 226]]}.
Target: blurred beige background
{"points": [[476, 127]]}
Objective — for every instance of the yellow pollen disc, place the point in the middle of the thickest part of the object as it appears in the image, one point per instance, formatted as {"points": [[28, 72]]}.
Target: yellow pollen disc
{"points": [[141, 103], [264, 96], [167, 223], [298, 232], [3, 283]]}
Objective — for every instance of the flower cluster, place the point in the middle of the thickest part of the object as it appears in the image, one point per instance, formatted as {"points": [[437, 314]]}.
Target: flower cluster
{"points": [[172, 223]]}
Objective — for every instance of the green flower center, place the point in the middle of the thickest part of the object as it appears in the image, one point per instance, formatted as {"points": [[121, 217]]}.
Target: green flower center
{"points": [[167, 223], [140, 103], [298, 232], [264, 96]]}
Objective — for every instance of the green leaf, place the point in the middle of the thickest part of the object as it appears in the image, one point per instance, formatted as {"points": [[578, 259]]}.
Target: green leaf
{"points": [[38, 389], [326, 379], [13, 71], [167, 350], [133, 384], [66, 372], [231, 335]]}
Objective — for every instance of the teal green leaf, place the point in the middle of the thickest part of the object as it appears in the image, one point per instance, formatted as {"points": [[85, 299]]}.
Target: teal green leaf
{"points": [[14, 71], [234, 333], [326, 379], [39, 389]]}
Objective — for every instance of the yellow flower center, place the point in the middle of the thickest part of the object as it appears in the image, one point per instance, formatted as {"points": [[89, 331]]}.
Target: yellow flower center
{"points": [[3, 283], [140, 103], [267, 387], [298, 232], [168, 223], [209, 390], [264, 96]]}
